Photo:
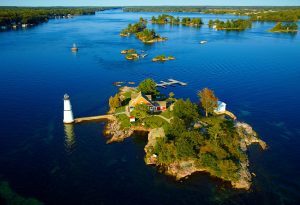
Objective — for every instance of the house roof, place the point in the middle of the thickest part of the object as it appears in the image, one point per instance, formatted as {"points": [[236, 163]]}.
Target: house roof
{"points": [[138, 99]]}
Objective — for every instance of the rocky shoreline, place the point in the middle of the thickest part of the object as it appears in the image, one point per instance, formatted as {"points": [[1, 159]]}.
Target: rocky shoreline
{"points": [[182, 169]]}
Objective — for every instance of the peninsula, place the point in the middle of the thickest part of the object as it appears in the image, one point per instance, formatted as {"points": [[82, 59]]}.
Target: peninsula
{"points": [[184, 137], [23, 17]]}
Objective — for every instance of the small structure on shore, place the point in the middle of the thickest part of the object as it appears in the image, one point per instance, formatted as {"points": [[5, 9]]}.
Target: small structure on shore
{"points": [[74, 48], [68, 114], [221, 107]]}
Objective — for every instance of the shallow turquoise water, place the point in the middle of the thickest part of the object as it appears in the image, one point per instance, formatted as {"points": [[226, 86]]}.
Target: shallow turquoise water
{"points": [[255, 72]]}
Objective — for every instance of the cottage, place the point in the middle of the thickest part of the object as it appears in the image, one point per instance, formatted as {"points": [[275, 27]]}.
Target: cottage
{"points": [[221, 107], [140, 98]]}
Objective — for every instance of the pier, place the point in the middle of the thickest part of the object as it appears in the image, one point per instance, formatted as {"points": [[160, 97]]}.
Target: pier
{"points": [[170, 82], [228, 113], [94, 118]]}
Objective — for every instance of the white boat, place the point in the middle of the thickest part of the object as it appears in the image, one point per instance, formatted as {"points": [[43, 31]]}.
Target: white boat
{"points": [[203, 42], [74, 48]]}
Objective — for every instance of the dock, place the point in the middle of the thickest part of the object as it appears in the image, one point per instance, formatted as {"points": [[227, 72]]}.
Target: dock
{"points": [[170, 82], [94, 118], [228, 113]]}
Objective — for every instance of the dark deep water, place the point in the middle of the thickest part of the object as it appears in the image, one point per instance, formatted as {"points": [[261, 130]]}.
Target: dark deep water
{"points": [[255, 72]]}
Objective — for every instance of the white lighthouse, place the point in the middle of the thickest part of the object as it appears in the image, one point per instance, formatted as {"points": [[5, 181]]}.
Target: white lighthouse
{"points": [[68, 114]]}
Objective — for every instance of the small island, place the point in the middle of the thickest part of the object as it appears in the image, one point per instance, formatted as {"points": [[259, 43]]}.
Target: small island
{"points": [[169, 19], [285, 28], [142, 33], [184, 137], [230, 25], [163, 58]]}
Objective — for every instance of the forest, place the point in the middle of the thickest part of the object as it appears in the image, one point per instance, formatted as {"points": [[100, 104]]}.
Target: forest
{"points": [[239, 24], [287, 14], [14, 16]]}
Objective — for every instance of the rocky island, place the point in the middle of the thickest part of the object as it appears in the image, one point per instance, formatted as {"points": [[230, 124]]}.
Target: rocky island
{"points": [[184, 137], [162, 58]]}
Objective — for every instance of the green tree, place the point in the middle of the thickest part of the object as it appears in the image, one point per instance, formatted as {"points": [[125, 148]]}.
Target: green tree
{"points": [[186, 110], [148, 87], [140, 111], [208, 100], [114, 102], [171, 95]]}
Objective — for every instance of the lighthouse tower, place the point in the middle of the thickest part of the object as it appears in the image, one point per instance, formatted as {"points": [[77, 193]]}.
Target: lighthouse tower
{"points": [[68, 114]]}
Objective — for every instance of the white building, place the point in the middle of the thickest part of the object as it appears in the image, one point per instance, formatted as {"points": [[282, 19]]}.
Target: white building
{"points": [[68, 114], [221, 107]]}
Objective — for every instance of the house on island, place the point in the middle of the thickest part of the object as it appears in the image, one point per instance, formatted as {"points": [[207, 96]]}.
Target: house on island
{"points": [[140, 98], [221, 107]]}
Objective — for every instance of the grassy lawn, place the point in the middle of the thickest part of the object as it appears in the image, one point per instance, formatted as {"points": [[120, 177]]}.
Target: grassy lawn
{"points": [[167, 114], [120, 109], [124, 119], [154, 122]]}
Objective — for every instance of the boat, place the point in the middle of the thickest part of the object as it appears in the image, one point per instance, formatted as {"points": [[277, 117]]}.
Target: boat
{"points": [[74, 48], [144, 55], [131, 83], [203, 42]]}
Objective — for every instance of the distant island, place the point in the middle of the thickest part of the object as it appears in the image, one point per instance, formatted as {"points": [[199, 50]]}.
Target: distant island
{"points": [[285, 28], [22, 17], [256, 13], [142, 33], [184, 137], [163, 58], [169, 19], [230, 25]]}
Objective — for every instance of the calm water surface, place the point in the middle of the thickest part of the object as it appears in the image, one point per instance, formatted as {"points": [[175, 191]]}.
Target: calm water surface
{"points": [[255, 72]]}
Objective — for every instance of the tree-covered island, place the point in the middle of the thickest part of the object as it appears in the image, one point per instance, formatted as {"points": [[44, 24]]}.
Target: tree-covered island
{"points": [[285, 28], [184, 137], [142, 32], [230, 25], [169, 19]]}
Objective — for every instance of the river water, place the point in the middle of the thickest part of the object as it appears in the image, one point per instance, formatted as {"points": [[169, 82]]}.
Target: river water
{"points": [[255, 72]]}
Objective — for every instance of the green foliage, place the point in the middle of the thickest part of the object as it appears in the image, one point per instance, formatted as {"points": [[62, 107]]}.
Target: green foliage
{"points": [[148, 87], [114, 101], [135, 28], [287, 27], [208, 100], [171, 95], [186, 110], [12, 198], [36, 15], [140, 111], [154, 122], [124, 120], [167, 114], [239, 24], [168, 19], [147, 35], [120, 109]]}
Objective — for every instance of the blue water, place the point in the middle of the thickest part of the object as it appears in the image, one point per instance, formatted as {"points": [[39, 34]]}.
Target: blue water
{"points": [[255, 72]]}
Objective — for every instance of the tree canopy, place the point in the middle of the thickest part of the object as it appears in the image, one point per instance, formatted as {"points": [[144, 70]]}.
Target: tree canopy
{"points": [[208, 100], [148, 87]]}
